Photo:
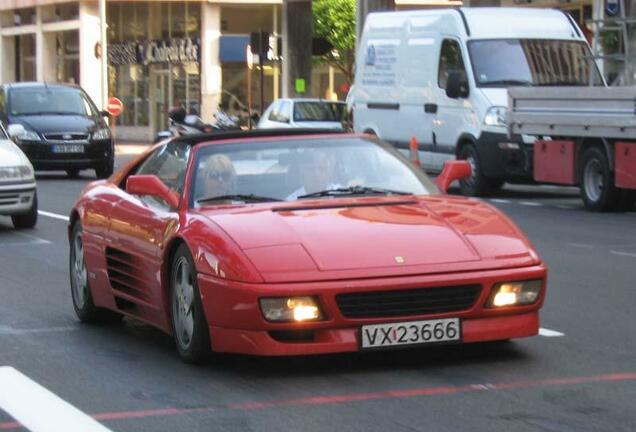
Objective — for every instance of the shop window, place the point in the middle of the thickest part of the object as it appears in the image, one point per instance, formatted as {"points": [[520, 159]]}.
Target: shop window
{"points": [[25, 57], [67, 46]]}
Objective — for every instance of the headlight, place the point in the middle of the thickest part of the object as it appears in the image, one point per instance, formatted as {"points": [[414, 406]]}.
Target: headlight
{"points": [[298, 309], [23, 172], [29, 135], [101, 134], [496, 116], [514, 293]]}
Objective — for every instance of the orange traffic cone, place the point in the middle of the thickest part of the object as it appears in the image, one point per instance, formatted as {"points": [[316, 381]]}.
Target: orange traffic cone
{"points": [[414, 152]]}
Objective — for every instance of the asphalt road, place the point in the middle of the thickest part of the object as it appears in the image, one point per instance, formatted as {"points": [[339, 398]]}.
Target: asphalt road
{"points": [[128, 376]]}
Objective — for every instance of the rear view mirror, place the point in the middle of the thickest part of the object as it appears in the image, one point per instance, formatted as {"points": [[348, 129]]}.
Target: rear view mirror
{"points": [[453, 170], [153, 186], [15, 130], [456, 84]]}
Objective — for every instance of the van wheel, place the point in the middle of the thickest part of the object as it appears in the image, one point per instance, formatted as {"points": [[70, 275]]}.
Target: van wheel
{"points": [[476, 184], [597, 182]]}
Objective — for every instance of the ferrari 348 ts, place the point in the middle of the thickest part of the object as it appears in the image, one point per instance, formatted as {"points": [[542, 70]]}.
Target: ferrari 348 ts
{"points": [[299, 242]]}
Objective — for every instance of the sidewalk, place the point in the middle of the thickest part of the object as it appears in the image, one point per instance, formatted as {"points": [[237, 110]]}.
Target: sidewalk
{"points": [[131, 148]]}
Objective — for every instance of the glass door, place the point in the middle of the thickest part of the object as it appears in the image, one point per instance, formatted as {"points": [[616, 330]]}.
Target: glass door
{"points": [[160, 97]]}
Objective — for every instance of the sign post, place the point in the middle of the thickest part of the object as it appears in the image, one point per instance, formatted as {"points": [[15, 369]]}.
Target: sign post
{"points": [[114, 108]]}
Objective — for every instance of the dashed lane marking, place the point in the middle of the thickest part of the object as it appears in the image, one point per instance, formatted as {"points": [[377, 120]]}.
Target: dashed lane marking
{"points": [[550, 333], [500, 201], [11, 331], [53, 215], [619, 253], [38, 409], [531, 203]]}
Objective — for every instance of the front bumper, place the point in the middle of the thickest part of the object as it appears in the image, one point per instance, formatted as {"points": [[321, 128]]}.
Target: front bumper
{"points": [[16, 198], [42, 157], [236, 324], [505, 158]]}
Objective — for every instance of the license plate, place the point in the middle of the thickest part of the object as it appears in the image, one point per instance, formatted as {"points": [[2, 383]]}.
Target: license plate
{"points": [[410, 333], [68, 148]]}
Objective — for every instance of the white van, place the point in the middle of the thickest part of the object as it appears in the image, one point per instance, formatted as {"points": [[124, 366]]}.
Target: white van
{"points": [[441, 76]]}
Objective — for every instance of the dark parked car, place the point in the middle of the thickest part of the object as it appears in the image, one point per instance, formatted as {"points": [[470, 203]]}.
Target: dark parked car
{"points": [[63, 129]]}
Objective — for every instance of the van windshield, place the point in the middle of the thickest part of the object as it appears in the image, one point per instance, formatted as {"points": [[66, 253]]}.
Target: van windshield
{"points": [[50, 101], [532, 62]]}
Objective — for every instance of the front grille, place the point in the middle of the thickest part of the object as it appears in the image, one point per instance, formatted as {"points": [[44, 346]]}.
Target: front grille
{"points": [[9, 198], [398, 303], [66, 136]]}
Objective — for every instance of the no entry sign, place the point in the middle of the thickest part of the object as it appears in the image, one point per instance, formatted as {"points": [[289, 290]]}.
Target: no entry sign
{"points": [[115, 106]]}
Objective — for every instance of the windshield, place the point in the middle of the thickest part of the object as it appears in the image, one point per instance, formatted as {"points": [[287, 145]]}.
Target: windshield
{"points": [[540, 62], [319, 111], [289, 169], [50, 100]]}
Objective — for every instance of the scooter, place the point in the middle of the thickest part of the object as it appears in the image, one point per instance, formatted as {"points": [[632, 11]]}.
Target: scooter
{"points": [[182, 124]]}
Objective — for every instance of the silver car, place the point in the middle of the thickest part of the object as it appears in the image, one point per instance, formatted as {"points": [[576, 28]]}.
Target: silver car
{"points": [[303, 113]]}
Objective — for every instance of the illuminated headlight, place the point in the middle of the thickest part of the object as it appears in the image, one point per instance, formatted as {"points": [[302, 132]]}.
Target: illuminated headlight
{"points": [[496, 116], [101, 134], [23, 172], [283, 309], [29, 135], [514, 293]]}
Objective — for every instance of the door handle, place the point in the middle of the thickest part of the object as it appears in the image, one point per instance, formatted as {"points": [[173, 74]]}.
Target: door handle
{"points": [[430, 108]]}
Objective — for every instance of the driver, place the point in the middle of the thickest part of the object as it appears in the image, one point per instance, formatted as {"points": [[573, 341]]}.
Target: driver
{"points": [[318, 172], [219, 176]]}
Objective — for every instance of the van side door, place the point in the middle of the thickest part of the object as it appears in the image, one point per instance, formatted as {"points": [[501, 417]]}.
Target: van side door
{"points": [[454, 115]]}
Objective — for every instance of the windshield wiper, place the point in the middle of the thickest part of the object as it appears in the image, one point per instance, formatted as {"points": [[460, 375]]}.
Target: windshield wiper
{"points": [[507, 82], [238, 197], [354, 190], [46, 113]]}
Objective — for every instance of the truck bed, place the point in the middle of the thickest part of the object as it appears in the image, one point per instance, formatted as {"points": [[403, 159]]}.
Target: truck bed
{"points": [[607, 112]]}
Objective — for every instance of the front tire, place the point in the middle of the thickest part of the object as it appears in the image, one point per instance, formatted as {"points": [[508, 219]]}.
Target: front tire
{"points": [[189, 325], [597, 181], [476, 184], [72, 173], [105, 170], [29, 219]]}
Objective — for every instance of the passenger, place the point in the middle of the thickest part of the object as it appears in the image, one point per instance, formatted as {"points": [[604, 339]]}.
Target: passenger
{"points": [[318, 173], [218, 177]]}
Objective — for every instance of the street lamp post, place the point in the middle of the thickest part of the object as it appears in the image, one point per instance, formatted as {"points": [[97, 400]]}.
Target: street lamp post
{"points": [[104, 52]]}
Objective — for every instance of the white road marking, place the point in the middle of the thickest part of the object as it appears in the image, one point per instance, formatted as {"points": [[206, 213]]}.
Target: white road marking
{"points": [[32, 240], [629, 254], [500, 201], [11, 331], [53, 215], [531, 203], [550, 333], [38, 409]]}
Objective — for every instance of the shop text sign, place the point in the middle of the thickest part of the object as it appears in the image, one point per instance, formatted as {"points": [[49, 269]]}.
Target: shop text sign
{"points": [[175, 50]]}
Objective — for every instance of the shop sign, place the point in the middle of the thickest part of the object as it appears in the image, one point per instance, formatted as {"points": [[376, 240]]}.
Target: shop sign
{"points": [[175, 50]]}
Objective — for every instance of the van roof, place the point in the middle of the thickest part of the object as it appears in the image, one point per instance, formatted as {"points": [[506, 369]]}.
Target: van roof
{"points": [[488, 23]]}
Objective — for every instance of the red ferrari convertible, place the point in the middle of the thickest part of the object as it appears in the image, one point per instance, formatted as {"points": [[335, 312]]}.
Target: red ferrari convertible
{"points": [[299, 242]]}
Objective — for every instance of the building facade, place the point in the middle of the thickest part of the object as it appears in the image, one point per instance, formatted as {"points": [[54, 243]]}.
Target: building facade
{"points": [[164, 53]]}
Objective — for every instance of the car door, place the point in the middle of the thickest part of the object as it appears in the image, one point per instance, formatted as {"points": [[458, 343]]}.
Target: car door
{"points": [[138, 230], [452, 114]]}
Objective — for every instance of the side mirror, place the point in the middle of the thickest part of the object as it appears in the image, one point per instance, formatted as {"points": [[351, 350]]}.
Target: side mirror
{"points": [[456, 84], [151, 185], [104, 113], [15, 130], [453, 170]]}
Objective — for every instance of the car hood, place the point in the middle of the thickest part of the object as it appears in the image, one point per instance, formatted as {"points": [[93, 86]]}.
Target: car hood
{"points": [[11, 155], [56, 123], [377, 237]]}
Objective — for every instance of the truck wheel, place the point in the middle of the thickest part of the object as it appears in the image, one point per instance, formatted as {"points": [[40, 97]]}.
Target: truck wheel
{"points": [[28, 219], [476, 184], [597, 181]]}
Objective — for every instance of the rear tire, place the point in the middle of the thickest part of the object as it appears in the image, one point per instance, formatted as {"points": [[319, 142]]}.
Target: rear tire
{"points": [[476, 184], [597, 181], [29, 219], [189, 324], [81, 295]]}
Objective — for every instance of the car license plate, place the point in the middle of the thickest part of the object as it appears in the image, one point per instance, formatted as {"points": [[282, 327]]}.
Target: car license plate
{"points": [[410, 333], [68, 148]]}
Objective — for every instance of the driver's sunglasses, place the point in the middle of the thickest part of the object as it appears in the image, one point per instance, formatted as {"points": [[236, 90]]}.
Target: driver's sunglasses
{"points": [[220, 177]]}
